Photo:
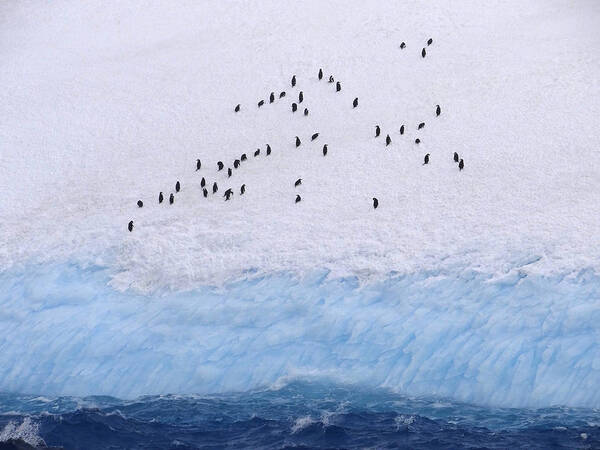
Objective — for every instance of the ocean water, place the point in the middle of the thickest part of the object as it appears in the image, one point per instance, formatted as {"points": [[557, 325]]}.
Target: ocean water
{"points": [[300, 414]]}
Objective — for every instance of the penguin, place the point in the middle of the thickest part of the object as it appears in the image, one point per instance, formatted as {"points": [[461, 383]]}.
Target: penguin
{"points": [[229, 172], [202, 182], [388, 140], [298, 182], [426, 159], [268, 149], [355, 102], [262, 102], [325, 150], [205, 192], [461, 165], [215, 187], [417, 141], [338, 87], [257, 152], [160, 197], [402, 129], [294, 81], [375, 203], [282, 94], [298, 142], [140, 203], [320, 74], [402, 45], [243, 157], [298, 198], [198, 164], [220, 166], [331, 80], [236, 164], [272, 97], [377, 131], [130, 226], [306, 111], [228, 193], [423, 52], [171, 199], [438, 110], [237, 108], [455, 157], [294, 107], [429, 41], [242, 189], [177, 187], [421, 125], [314, 136], [300, 97]]}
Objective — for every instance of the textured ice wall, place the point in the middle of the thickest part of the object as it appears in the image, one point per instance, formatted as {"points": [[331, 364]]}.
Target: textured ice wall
{"points": [[516, 341]]}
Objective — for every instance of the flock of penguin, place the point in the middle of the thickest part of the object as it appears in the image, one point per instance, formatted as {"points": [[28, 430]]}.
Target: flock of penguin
{"points": [[244, 157]]}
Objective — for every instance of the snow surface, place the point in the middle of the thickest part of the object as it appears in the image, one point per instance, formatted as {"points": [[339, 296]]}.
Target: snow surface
{"points": [[104, 103]]}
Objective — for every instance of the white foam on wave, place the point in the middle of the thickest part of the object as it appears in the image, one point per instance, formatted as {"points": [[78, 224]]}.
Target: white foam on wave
{"points": [[27, 431]]}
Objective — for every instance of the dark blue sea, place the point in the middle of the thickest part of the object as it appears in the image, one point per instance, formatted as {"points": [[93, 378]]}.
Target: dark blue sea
{"points": [[296, 415]]}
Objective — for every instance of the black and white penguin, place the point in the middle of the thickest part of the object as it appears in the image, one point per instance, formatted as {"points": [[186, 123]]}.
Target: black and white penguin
{"points": [[243, 157], [171, 199], [198, 164], [130, 226], [426, 159], [338, 87], [421, 125], [202, 182], [355, 102], [298, 198], [298, 182], [423, 52], [402, 45], [388, 140], [229, 172], [375, 203], [314, 136], [325, 150], [331, 80], [268, 149], [294, 107], [236, 164], [294, 81], [320, 74], [429, 41], [205, 192], [228, 193], [438, 110], [272, 97], [215, 188], [300, 97], [306, 111], [417, 141], [455, 157], [377, 131], [177, 187], [237, 108], [402, 129], [282, 94], [461, 165], [140, 203], [220, 165], [262, 102], [242, 189], [257, 152], [160, 197], [298, 142]]}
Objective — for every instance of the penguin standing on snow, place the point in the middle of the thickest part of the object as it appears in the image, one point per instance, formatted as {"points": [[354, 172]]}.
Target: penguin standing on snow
{"points": [[325, 150], [294, 81], [355, 102], [298, 142], [338, 87], [298, 182], [257, 152], [417, 141], [262, 102], [160, 197], [177, 187], [423, 52], [198, 164], [237, 108], [300, 97], [242, 189], [331, 80], [272, 97], [236, 164], [421, 125], [426, 160], [306, 111], [320, 74], [388, 140], [130, 226], [298, 198], [375, 203], [455, 157], [402, 45], [294, 107], [377, 131], [228, 193], [220, 166], [202, 182], [461, 165], [268, 149], [282, 94], [314, 136], [438, 110], [205, 192], [171, 199], [215, 188], [429, 41], [402, 129], [229, 172], [243, 157], [140, 203]]}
